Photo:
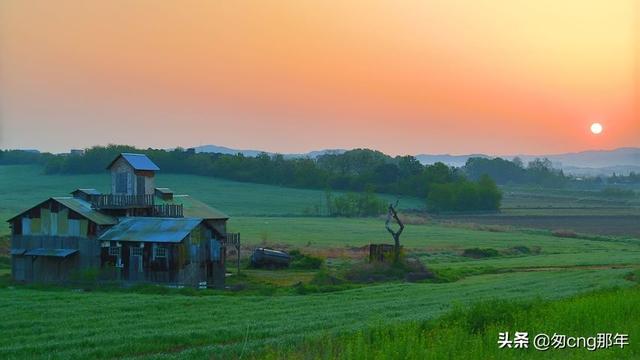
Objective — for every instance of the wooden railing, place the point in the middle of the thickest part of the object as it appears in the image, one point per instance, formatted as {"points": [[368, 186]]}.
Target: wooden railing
{"points": [[167, 210], [116, 201], [231, 239]]}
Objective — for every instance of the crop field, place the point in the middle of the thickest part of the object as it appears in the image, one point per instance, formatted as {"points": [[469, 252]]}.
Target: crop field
{"points": [[514, 261], [580, 211], [77, 325], [470, 333]]}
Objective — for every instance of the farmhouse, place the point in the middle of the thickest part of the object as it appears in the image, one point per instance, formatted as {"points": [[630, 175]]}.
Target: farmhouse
{"points": [[137, 233]]}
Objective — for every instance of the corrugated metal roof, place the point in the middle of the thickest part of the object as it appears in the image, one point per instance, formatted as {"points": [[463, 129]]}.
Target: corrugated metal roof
{"points": [[78, 205], [194, 208], [51, 252], [151, 229], [84, 208], [87, 191], [138, 161], [164, 190]]}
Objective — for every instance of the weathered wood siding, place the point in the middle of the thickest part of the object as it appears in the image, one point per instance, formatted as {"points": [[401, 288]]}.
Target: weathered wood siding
{"points": [[196, 259], [44, 221], [121, 166], [52, 269]]}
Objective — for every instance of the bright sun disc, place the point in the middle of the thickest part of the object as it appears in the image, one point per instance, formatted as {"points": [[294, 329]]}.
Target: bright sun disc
{"points": [[596, 128]]}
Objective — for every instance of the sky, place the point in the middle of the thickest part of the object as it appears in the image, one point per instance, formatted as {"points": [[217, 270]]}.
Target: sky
{"points": [[403, 77]]}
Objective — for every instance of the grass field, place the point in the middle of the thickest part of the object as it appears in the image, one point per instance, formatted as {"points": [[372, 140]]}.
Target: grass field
{"points": [[275, 319], [76, 325], [472, 333], [22, 186]]}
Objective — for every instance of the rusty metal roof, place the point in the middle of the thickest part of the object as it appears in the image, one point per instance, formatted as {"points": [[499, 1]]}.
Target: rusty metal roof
{"points": [[84, 208], [137, 161], [151, 229], [194, 208], [78, 205]]}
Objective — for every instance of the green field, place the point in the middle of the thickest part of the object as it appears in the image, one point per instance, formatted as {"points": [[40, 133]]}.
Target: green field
{"points": [[471, 333], [270, 317], [22, 186], [75, 325]]}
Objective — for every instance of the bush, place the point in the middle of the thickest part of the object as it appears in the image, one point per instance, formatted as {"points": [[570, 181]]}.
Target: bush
{"points": [[324, 278], [478, 253], [303, 261], [356, 204], [464, 195]]}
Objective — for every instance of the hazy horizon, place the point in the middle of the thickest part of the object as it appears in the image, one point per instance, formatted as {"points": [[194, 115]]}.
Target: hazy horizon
{"points": [[455, 77], [504, 155]]}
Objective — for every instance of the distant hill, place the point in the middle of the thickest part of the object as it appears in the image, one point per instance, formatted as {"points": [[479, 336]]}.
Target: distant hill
{"points": [[592, 162], [451, 160], [595, 158], [226, 150]]}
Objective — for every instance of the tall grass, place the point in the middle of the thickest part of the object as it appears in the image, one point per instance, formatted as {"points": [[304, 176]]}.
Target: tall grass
{"points": [[472, 333]]}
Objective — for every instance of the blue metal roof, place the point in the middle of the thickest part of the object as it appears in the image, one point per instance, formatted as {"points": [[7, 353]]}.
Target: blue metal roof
{"points": [[138, 161], [51, 252], [17, 251], [151, 229], [87, 191]]}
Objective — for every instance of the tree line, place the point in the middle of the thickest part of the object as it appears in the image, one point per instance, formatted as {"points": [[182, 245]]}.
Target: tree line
{"points": [[361, 171]]}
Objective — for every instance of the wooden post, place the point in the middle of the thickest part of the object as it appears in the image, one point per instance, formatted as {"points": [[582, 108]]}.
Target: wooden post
{"points": [[238, 252]]}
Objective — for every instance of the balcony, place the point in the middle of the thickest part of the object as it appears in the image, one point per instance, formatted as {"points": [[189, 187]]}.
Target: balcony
{"points": [[115, 201], [167, 210]]}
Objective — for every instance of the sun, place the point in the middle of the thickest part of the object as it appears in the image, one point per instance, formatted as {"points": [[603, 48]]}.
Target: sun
{"points": [[596, 128]]}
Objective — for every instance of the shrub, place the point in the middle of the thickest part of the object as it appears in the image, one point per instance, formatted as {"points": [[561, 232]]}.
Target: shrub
{"points": [[464, 195], [324, 278], [356, 204], [478, 253], [303, 261]]}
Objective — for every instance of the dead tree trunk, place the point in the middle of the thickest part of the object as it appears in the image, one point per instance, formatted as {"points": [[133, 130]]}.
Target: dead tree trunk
{"points": [[392, 213]]}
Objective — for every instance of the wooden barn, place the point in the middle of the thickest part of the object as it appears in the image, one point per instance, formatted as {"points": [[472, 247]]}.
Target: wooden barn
{"points": [[137, 233]]}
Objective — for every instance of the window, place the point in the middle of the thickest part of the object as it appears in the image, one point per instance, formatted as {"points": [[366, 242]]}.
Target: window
{"points": [[140, 185], [160, 252], [136, 251], [114, 251], [121, 183]]}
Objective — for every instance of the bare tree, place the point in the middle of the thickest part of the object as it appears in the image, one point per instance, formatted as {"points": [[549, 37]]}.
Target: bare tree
{"points": [[392, 213]]}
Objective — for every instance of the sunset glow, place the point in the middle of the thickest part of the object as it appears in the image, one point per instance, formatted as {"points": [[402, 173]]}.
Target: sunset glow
{"points": [[499, 77]]}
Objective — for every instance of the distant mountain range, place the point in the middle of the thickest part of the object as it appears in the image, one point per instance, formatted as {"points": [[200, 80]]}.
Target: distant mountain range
{"points": [[591, 162], [226, 150]]}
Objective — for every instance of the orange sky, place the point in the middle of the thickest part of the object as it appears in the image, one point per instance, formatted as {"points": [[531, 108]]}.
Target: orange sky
{"points": [[454, 76]]}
